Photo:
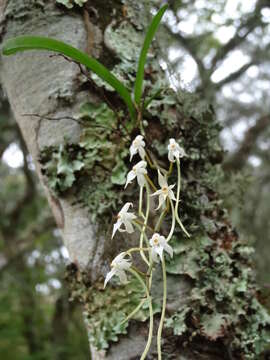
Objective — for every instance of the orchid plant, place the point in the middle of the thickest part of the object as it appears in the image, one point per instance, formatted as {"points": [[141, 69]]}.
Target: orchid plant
{"points": [[152, 250]]}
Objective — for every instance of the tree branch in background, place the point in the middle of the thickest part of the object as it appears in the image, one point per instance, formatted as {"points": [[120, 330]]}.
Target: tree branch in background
{"points": [[241, 34], [187, 45], [234, 76], [239, 158], [24, 244]]}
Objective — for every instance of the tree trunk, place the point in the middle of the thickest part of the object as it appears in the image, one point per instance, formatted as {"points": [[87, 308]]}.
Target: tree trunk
{"points": [[212, 311]]}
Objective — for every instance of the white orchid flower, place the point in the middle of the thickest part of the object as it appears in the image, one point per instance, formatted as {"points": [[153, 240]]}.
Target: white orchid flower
{"points": [[138, 170], [119, 267], [175, 151], [158, 245], [124, 218], [137, 146], [165, 191]]}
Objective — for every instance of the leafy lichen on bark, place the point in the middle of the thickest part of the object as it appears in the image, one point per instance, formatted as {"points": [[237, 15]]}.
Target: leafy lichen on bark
{"points": [[106, 309], [98, 157], [224, 299], [223, 302]]}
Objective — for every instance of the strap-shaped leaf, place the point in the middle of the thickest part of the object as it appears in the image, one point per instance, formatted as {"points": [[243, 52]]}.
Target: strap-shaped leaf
{"points": [[147, 42], [23, 43]]}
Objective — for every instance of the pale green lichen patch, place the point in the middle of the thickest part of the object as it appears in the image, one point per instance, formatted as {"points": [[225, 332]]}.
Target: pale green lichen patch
{"points": [[224, 295], [61, 169], [223, 302], [125, 42], [106, 309], [99, 157], [223, 299]]}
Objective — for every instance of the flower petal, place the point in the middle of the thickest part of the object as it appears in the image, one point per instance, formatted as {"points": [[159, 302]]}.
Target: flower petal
{"points": [[161, 200], [141, 164], [162, 240], [171, 195], [162, 180], [118, 258], [129, 227], [130, 176], [122, 276], [154, 255], [125, 208], [142, 152], [116, 227], [130, 216], [132, 151], [168, 249], [125, 264], [158, 192], [159, 250], [171, 157], [141, 180], [109, 276]]}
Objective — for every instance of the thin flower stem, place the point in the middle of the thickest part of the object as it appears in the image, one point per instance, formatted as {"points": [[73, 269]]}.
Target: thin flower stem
{"points": [[177, 198], [138, 222], [137, 308], [162, 216], [178, 185], [140, 230], [150, 334], [142, 129], [181, 225], [137, 249], [140, 202], [150, 182], [160, 220], [170, 169], [145, 223], [150, 276], [139, 271], [163, 308], [173, 222], [150, 271], [148, 159], [143, 235]]}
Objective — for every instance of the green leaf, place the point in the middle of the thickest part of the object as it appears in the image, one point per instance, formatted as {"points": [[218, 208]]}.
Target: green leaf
{"points": [[150, 99], [23, 43], [147, 42]]}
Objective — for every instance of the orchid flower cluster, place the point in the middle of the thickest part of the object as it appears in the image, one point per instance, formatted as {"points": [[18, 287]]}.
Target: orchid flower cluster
{"points": [[152, 250]]}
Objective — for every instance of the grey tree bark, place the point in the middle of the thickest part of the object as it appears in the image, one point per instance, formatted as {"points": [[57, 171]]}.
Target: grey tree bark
{"points": [[37, 83]]}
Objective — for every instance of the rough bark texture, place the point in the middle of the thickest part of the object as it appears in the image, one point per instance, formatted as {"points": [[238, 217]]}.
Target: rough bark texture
{"points": [[38, 84]]}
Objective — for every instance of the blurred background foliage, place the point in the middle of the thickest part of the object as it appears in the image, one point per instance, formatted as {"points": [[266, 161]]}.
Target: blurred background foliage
{"points": [[219, 49]]}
